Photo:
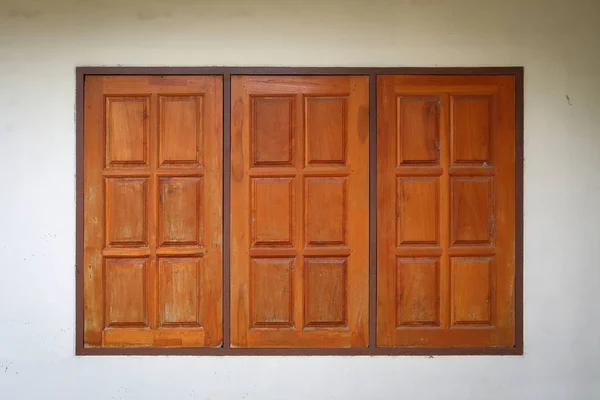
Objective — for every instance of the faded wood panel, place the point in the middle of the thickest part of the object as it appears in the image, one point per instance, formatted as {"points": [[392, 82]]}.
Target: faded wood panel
{"points": [[152, 215]]}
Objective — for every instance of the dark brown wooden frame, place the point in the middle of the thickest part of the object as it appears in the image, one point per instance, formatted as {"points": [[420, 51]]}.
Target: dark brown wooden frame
{"points": [[372, 72]]}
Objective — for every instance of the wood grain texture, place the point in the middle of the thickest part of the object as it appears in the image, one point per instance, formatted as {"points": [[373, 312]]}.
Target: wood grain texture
{"points": [[446, 237], [272, 292], [325, 292], [418, 130], [472, 129], [272, 212], [152, 211], [127, 131], [127, 211], [180, 131], [299, 204], [326, 134], [417, 292], [418, 209]]}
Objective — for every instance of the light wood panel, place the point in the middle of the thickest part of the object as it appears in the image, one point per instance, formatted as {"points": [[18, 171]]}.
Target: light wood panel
{"points": [[152, 211]]}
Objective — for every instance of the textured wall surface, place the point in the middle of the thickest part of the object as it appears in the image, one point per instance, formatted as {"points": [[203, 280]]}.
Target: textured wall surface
{"points": [[41, 43]]}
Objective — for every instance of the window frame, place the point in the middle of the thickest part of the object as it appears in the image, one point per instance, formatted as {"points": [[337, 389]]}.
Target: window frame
{"points": [[372, 73]]}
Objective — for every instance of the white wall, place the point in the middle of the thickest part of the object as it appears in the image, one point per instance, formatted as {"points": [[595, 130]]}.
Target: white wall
{"points": [[42, 41]]}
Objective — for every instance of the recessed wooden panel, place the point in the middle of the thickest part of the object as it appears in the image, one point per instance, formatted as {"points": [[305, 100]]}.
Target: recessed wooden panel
{"points": [[472, 216], [418, 292], [271, 292], [471, 291], [125, 301], [325, 211], [272, 211], [418, 211], [179, 292], [272, 131], [126, 214], [180, 211], [325, 130], [418, 130], [325, 292], [472, 130], [180, 124], [127, 120]]}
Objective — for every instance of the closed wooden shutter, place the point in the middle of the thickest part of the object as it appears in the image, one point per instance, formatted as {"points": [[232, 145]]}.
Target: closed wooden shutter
{"points": [[446, 211], [299, 212], [152, 211]]}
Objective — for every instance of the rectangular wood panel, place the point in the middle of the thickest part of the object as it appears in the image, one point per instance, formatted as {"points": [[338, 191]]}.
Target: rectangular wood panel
{"points": [[272, 292], [417, 292], [325, 292], [446, 246], [299, 204], [152, 211], [125, 292], [272, 130], [180, 124], [472, 129], [472, 210], [418, 124], [126, 211], [472, 291], [180, 291], [326, 130], [418, 221], [272, 211], [127, 129], [326, 211], [180, 209]]}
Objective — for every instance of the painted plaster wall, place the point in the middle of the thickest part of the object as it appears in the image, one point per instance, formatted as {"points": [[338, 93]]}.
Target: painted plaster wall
{"points": [[41, 43]]}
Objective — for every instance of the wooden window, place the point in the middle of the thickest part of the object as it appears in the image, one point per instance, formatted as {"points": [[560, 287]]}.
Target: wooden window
{"points": [[245, 211], [299, 208], [446, 211], [152, 211]]}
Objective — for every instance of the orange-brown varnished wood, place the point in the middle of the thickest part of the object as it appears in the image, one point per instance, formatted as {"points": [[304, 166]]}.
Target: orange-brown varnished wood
{"points": [[446, 211], [152, 211], [299, 212]]}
